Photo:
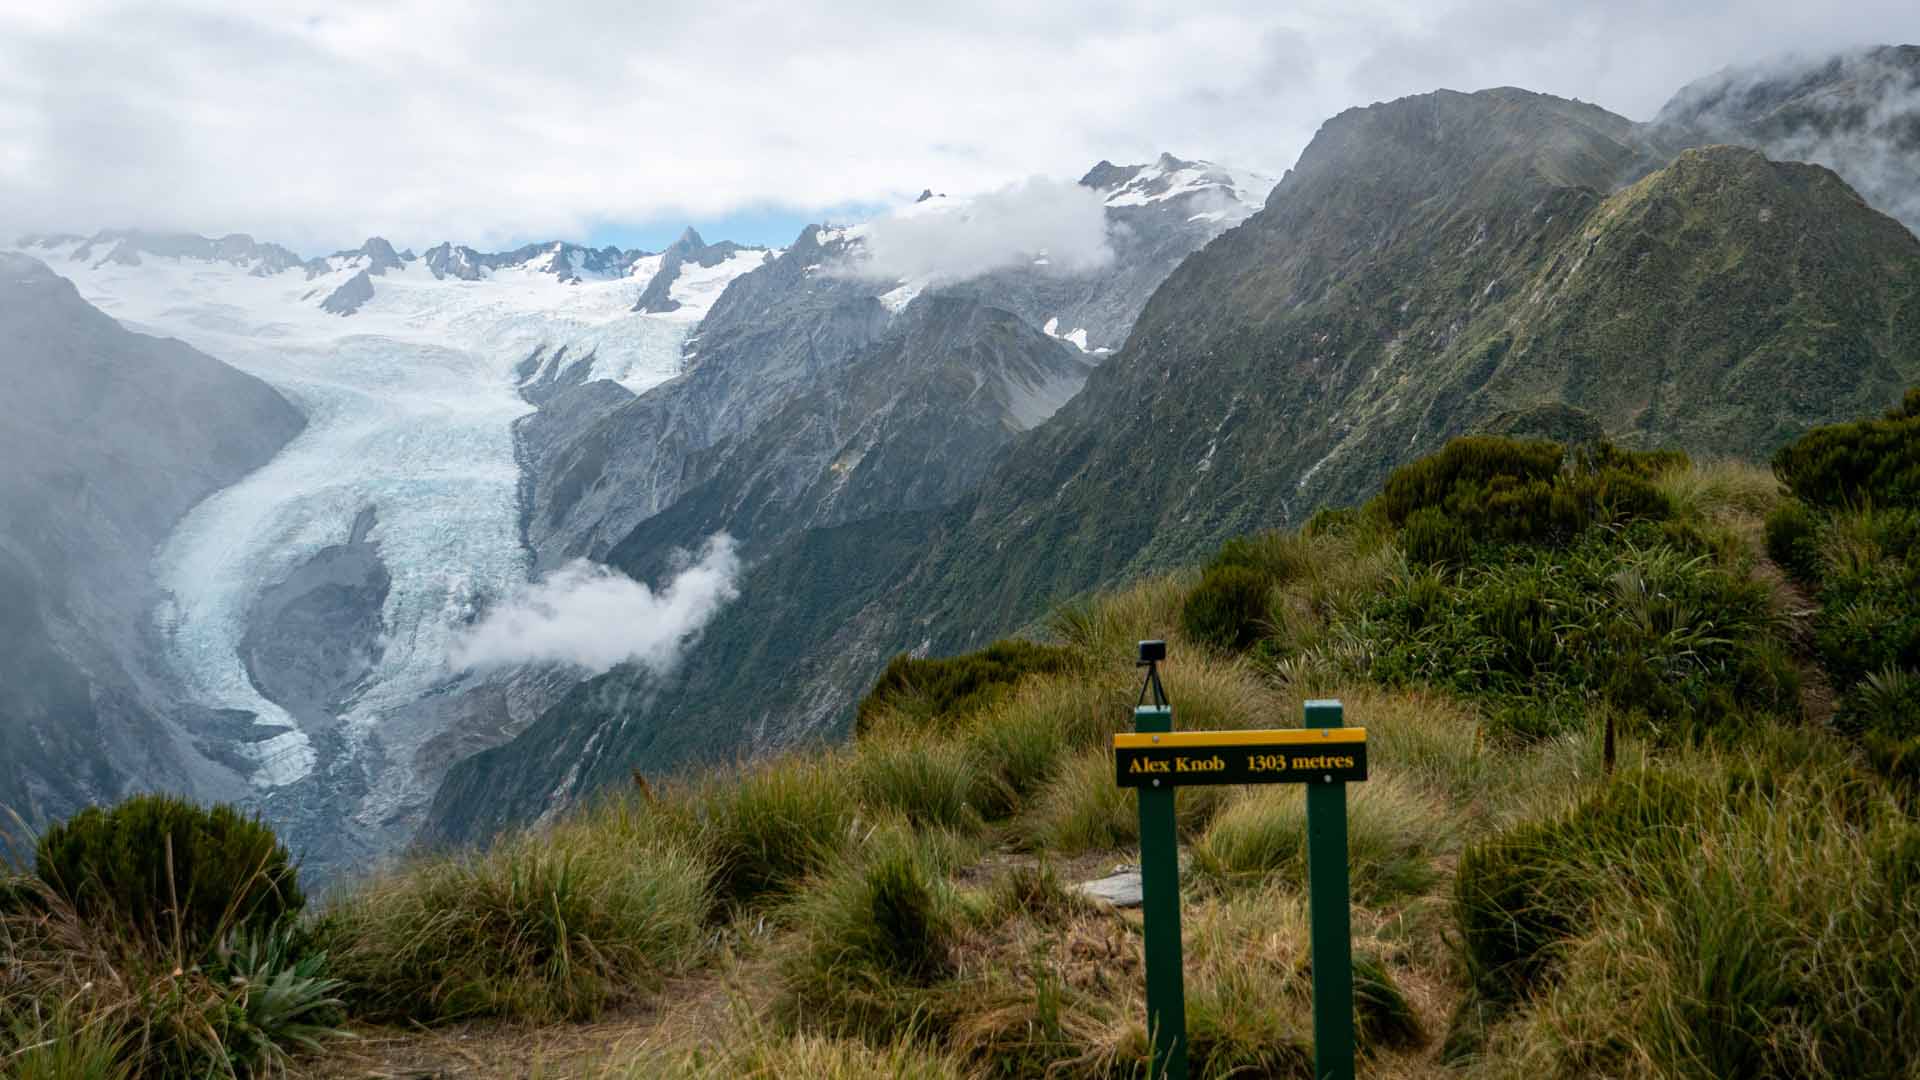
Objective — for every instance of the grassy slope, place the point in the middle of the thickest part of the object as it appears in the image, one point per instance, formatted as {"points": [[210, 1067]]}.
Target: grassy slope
{"points": [[1737, 900]]}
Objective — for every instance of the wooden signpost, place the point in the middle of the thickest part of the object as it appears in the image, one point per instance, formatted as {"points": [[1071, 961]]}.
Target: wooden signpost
{"points": [[1156, 761]]}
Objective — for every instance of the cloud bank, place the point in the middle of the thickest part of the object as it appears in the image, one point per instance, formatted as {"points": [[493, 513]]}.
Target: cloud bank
{"points": [[595, 617], [424, 120], [952, 240]]}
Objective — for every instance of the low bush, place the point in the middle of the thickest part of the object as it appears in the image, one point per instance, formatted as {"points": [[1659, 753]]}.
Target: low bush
{"points": [[1792, 533], [1228, 609], [929, 689], [177, 873], [1431, 537], [1874, 462], [1687, 644]]}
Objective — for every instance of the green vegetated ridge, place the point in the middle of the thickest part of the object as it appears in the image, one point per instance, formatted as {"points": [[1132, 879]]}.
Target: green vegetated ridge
{"points": [[1436, 265], [1611, 827], [1433, 267]]}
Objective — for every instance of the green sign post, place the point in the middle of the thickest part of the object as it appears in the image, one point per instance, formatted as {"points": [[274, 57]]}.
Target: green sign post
{"points": [[1156, 760]]}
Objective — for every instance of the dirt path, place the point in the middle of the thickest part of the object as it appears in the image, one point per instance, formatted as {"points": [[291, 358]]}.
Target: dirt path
{"points": [[1817, 699], [681, 1016]]}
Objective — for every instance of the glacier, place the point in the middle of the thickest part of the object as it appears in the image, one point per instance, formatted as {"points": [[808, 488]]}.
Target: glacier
{"points": [[410, 403]]}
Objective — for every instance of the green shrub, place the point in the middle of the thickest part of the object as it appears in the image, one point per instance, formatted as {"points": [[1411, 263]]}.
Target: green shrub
{"points": [[928, 689], [1430, 536], [1873, 462], [1885, 704], [1875, 628], [1793, 539], [1485, 489], [1228, 609], [1464, 467], [170, 870]]}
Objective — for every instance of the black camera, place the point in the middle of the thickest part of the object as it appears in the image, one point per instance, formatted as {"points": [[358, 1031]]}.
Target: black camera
{"points": [[1152, 651]]}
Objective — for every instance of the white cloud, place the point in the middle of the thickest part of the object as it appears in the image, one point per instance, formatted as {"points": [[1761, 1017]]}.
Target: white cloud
{"points": [[595, 617], [424, 120], [952, 240]]}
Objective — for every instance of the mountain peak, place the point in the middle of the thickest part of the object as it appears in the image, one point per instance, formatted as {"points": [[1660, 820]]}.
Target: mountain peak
{"points": [[689, 241]]}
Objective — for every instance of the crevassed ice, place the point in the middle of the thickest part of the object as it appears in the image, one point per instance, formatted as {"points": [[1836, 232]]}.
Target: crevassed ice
{"points": [[409, 403]]}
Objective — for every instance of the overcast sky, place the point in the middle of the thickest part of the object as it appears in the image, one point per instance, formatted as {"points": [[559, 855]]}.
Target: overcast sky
{"points": [[317, 125]]}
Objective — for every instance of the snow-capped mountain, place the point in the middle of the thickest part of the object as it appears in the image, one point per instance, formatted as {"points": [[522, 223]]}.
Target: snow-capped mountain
{"points": [[476, 418]]}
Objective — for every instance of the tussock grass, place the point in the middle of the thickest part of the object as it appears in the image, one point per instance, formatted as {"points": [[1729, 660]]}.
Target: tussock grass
{"points": [[83, 995], [1020, 744], [1083, 808], [929, 781], [871, 937], [763, 829], [64, 1040], [1212, 693], [1776, 936], [764, 1054], [1107, 627], [1720, 489], [545, 926], [1394, 830]]}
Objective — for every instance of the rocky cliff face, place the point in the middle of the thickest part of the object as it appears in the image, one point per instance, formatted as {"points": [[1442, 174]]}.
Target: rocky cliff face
{"points": [[108, 438]]}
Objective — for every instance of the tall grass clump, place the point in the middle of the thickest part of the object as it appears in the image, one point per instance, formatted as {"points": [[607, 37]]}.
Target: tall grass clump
{"points": [[1521, 895], [545, 926], [1083, 808], [1779, 937], [1104, 628], [1394, 831], [1722, 488], [1020, 743], [929, 781], [1250, 991], [762, 830], [872, 936], [764, 1054]]}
